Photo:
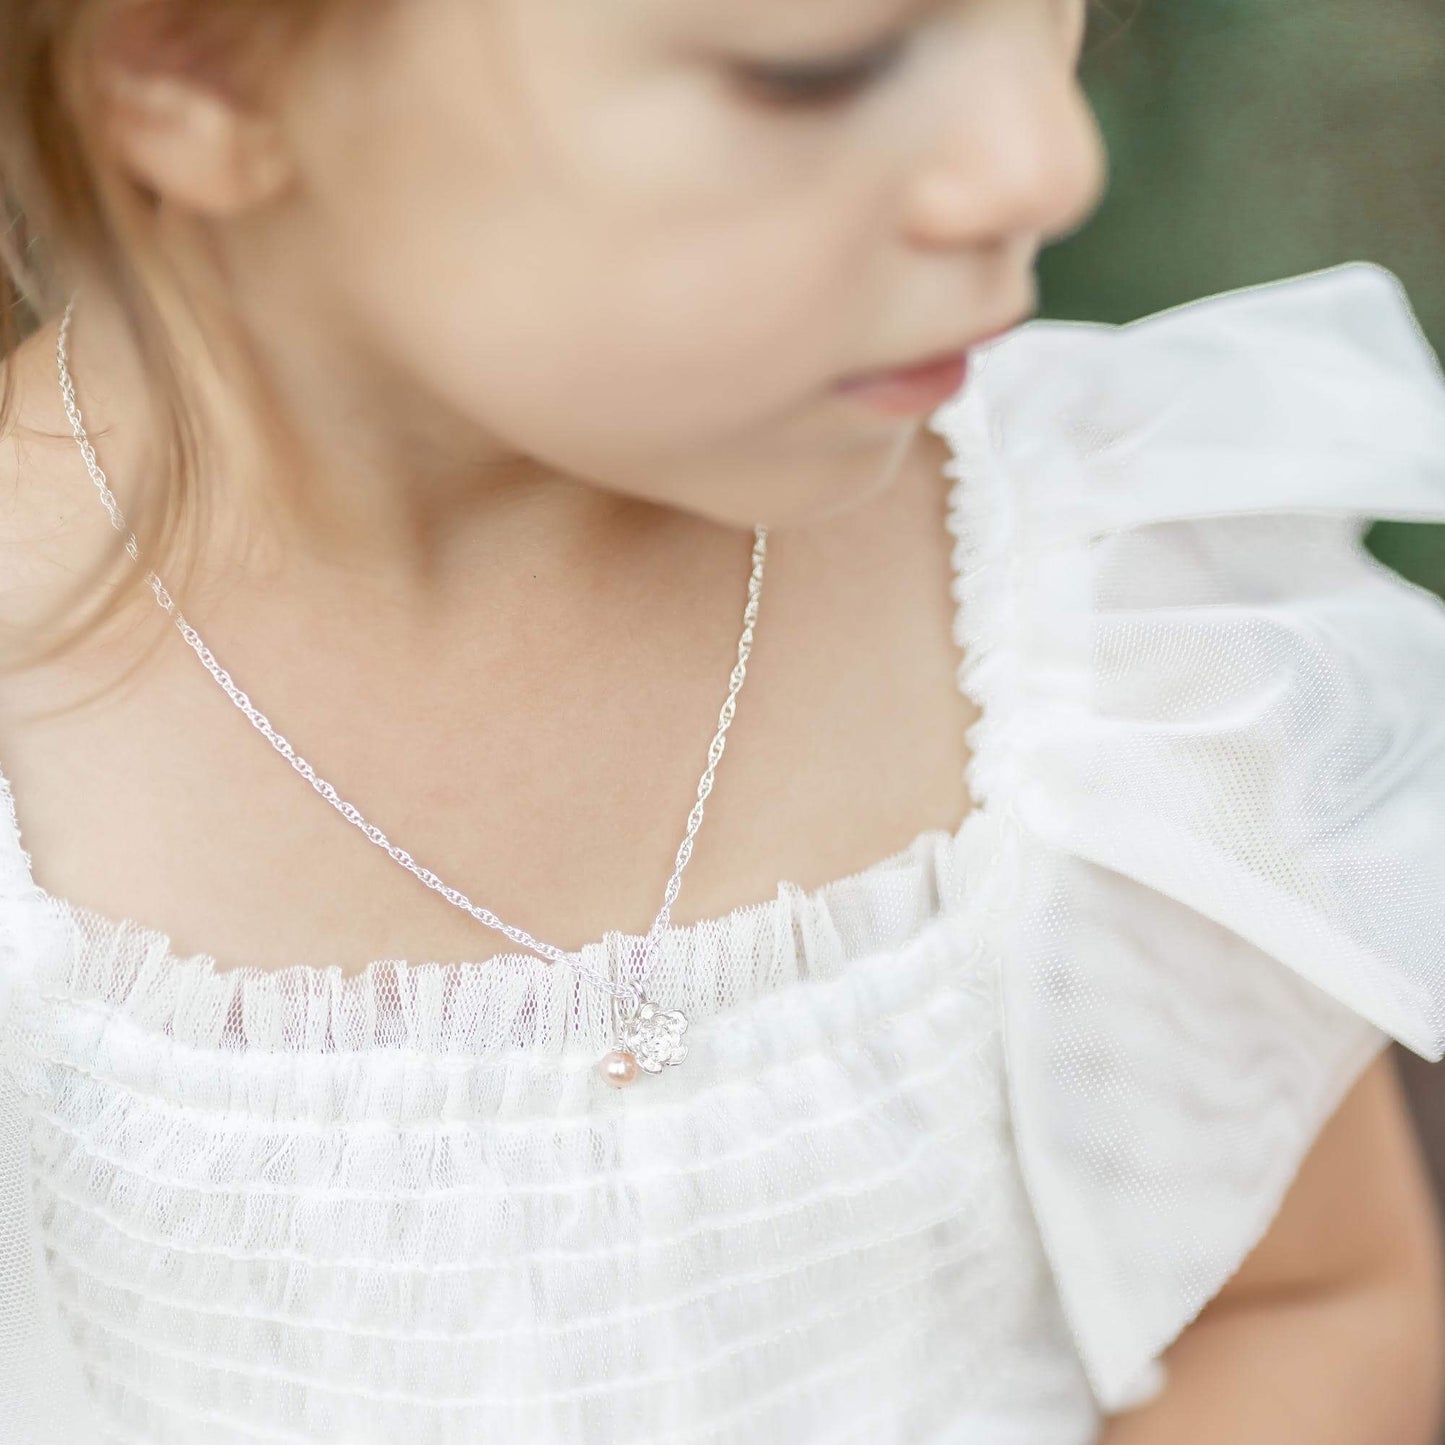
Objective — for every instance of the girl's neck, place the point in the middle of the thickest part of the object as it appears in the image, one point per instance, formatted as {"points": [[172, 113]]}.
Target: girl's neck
{"points": [[334, 466]]}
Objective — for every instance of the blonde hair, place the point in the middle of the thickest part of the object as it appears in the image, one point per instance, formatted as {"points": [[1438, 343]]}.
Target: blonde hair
{"points": [[66, 215]]}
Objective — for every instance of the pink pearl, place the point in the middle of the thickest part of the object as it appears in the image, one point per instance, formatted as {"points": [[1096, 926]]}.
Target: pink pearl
{"points": [[618, 1067]]}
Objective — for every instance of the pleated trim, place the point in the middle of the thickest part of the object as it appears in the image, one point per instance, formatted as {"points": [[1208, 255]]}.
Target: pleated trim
{"points": [[136, 1031], [508, 1008]]}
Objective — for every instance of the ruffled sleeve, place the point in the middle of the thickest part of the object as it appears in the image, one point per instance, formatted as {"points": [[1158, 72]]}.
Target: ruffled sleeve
{"points": [[1223, 729]]}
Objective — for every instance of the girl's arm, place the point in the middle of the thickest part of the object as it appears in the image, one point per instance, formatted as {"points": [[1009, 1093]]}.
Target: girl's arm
{"points": [[1332, 1331]]}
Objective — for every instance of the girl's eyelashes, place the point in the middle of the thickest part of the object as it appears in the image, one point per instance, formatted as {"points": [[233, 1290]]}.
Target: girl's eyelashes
{"points": [[809, 84]]}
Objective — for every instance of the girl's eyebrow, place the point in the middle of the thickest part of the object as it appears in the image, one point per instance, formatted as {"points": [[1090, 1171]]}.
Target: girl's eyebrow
{"points": [[865, 14]]}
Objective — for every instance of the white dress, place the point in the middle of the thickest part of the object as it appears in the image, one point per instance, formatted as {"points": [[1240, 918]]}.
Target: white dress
{"points": [[963, 1140]]}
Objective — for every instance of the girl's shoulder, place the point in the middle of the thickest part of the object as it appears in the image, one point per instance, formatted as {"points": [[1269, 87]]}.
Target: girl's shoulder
{"points": [[1221, 721]]}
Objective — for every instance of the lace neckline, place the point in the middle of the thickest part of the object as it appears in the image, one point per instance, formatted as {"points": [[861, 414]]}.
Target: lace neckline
{"points": [[520, 1001]]}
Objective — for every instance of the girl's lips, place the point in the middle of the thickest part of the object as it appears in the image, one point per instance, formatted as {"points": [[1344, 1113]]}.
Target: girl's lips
{"points": [[911, 389]]}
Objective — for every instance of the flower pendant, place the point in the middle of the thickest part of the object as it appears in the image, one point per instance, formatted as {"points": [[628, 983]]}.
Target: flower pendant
{"points": [[649, 1038], [653, 1036]]}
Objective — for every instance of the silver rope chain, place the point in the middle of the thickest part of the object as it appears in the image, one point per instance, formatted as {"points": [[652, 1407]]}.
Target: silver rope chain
{"points": [[628, 990]]}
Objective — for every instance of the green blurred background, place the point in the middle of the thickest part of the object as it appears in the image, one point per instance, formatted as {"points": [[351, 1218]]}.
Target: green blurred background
{"points": [[1254, 139]]}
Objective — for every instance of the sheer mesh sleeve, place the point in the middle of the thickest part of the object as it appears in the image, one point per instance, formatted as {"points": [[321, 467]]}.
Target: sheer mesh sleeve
{"points": [[1230, 751]]}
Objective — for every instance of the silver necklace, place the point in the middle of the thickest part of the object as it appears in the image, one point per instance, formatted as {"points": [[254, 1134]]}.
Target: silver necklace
{"points": [[646, 1037]]}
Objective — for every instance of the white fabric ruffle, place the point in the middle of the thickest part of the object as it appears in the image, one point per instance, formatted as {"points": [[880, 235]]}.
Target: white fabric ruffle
{"points": [[1233, 743]]}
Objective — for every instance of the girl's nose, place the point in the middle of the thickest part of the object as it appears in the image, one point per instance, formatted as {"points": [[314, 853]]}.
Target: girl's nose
{"points": [[1020, 159]]}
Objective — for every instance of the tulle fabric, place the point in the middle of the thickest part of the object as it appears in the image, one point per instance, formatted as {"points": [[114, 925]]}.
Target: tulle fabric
{"points": [[963, 1141], [1230, 741], [401, 1205]]}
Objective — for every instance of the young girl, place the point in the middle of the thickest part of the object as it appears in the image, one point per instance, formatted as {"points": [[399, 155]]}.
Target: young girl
{"points": [[515, 405]]}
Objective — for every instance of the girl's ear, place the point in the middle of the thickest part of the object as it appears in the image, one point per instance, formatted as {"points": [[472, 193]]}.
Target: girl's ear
{"points": [[176, 116]]}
